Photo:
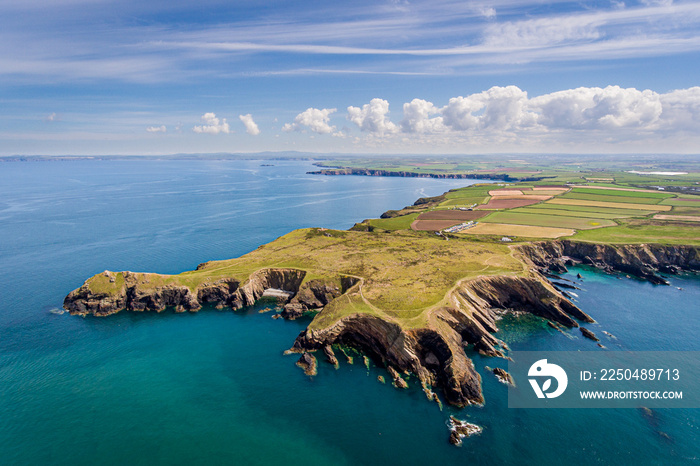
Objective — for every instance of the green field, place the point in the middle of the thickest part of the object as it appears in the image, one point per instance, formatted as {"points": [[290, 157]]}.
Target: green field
{"points": [[614, 192], [590, 209], [396, 223], [679, 203], [545, 220], [634, 233], [606, 198], [570, 213]]}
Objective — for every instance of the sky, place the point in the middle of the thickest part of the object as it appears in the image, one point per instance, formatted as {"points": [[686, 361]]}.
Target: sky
{"points": [[101, 77]]}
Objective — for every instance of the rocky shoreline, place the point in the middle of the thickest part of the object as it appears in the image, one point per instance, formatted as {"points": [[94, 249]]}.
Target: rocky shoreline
{"points": [[405, 174]]}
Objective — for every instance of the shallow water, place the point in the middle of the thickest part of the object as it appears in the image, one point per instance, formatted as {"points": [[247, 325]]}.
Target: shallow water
{"points": [[214, 387]]}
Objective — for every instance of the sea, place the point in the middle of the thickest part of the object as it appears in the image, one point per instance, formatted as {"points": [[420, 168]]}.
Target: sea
{"points": [[214, 387]]}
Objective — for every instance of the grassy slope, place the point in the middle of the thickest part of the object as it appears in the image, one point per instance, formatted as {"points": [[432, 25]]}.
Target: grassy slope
{"points": [[403, 274]]}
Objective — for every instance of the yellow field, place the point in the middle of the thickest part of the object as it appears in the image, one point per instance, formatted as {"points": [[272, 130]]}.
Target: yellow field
{"points": [[547, 191], [518, 230], [523, 196], [505, 192], [616, 205], [689, 218]]}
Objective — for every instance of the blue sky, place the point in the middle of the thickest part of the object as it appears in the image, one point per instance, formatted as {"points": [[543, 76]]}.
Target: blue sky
{"points": [[440, 76]]}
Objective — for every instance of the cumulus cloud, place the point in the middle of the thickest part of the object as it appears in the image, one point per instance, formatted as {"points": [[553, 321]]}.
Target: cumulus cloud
{"points": [[499, 108], [681, 110], [506, 117], [315, 119], [157, 129], [250, 126], [417, 117], [372, 117], [596, 108], [212, 125]]}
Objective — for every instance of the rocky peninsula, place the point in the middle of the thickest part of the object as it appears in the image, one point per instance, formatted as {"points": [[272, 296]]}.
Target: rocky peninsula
{"points": [[409, 300]]}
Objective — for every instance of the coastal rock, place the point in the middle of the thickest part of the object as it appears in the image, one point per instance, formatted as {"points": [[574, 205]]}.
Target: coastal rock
{"points": [[398, 381], [460, 429], [315, 294], [141, 292], [640, 260], [503, 376], [588, 334], [435, 353], [308, 363], [330, 355]]}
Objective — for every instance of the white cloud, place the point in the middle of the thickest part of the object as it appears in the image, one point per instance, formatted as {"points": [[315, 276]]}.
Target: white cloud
{"points": [[52, 117], [250, 126], [596, 108], [372, 117], [544, 31], [314, 119], [157, 129], [681, 110], [417, 117], [212, 125], [499, 109]]}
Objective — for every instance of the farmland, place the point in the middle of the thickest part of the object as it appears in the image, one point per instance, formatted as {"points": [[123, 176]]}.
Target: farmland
{"points": [[547, 220], [588, 211]]}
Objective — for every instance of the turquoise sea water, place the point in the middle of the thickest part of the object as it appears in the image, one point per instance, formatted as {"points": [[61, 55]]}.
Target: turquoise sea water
{"points": [[214, 387]]}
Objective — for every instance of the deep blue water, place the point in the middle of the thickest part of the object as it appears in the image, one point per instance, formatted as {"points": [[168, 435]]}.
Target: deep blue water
{"points": [[214, 387]]}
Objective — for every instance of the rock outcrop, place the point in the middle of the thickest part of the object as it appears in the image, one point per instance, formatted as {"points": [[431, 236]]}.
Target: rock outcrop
{"points": [[405, 174], [435, 353], [140, 292], [314, 295], [644, 261]]}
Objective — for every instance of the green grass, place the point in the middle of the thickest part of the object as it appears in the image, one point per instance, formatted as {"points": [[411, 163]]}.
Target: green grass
{"points": [[474, 191], [544, 220], [571, 213], [403, 273], [635, 233], [396, 223], [679, 203], [617, 193], [606, 198], [590, 209]]}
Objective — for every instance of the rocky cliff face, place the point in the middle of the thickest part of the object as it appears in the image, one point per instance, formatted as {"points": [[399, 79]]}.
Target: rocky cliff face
{"points": [[641, 260], [404, 174], [137, 293], [435, 353]]}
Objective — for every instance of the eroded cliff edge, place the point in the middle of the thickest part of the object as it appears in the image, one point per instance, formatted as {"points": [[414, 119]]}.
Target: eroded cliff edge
{"points": [[350, 279]]}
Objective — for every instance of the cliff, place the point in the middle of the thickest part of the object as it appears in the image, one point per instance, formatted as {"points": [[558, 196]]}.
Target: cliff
{"points": [[405, 174], [644, 261], [410, 301]]}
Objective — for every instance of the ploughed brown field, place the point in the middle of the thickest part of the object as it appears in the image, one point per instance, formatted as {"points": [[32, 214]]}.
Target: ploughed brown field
{"points": [[461, 215], [433, 225], [496, 203]]}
